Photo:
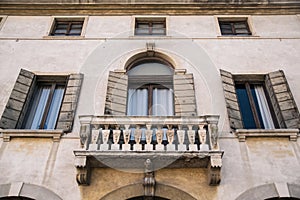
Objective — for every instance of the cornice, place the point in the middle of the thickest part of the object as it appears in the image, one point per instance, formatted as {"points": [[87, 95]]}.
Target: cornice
{"points": [[148, 9]]}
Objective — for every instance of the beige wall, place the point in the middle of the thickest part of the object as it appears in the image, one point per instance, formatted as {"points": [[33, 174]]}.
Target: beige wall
{"points": [[193, 44]]}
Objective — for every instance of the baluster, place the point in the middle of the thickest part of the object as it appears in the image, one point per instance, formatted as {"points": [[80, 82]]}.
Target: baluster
{"points": [[191, 135], [202, 136], [126, 136], [159, 139], [105, 137], [137, 137], [214, 135], [93, 146], [148, 146], [84, 135], [116, 136], [170, 136], [180, 135]]}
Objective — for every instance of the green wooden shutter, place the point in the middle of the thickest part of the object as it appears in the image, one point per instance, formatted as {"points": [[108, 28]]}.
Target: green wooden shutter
{"points": [[16, 106], [234, 114], [282, 100], [184, 94], [69, 104], [116, 95]]}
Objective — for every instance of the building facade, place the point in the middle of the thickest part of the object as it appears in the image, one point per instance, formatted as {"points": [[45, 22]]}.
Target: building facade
{"points": [[149, 99]]}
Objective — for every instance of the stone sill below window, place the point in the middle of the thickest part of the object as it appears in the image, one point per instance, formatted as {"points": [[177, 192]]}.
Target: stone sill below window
{"points": [[243, 133], [18, 133]]}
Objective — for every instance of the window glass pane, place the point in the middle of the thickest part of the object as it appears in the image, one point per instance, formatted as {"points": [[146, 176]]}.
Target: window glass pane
{"points": [[244, 103], [258, 110], [38, 107], [54, 108], [137, 102], [162, 102]]}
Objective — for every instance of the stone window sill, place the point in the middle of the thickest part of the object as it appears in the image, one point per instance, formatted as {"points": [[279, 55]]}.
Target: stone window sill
{"points": [[243, 133], [18, 133]]}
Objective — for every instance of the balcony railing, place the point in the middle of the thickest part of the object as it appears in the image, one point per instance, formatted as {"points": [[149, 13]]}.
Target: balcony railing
{"points": [[127, 142], [124, 133]]}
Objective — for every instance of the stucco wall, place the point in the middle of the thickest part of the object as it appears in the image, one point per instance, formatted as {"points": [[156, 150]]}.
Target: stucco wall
{"points": [[194, 44]]}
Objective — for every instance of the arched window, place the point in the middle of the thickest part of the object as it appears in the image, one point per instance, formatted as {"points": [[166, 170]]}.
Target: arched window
{"points": [[150, 89]]}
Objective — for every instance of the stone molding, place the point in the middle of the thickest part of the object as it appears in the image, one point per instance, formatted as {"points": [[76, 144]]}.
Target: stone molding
{"points": [[21, 133], [154, 8], [242, 134]]}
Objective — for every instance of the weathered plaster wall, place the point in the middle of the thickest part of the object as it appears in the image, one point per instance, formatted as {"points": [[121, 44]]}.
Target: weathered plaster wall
{"points": [[194, 45]]}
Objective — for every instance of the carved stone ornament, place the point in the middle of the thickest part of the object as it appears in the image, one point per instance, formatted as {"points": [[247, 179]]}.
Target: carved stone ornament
{"points": [[105, 136], [214, 135], [180, 134], [159, 136], [84, 133], [149, 180]]}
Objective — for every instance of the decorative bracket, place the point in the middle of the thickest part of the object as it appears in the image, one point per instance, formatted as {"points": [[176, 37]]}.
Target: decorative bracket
{"points": [[83, 170], [150, 49], [214, 168], [149, 179]]}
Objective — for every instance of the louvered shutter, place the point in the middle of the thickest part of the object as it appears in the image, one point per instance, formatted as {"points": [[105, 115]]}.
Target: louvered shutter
{"points": [[17, 104], [184, 94], [282, 100], [116, 95], [232, 105], [69, 104]]}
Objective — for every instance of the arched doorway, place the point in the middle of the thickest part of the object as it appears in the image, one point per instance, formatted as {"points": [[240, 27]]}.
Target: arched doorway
{"points": [[15, 198], [147, 198]]}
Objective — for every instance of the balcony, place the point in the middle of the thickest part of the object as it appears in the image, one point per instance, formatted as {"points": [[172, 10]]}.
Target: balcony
{"points": [[127, 142]]}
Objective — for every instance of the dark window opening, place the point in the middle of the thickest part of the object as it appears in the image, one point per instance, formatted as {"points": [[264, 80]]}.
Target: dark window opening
{"points": [[67, 28], [239, 27], [255, 106], [150, 26]]}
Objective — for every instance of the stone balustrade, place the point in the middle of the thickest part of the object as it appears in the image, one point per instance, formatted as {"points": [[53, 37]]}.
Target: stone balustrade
{"points": [[149, 133]]}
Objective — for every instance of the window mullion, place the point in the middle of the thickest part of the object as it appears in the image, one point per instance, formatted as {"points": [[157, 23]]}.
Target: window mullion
{"points": [[252, 105], [45, 114], [69, 28], [150, 99]]}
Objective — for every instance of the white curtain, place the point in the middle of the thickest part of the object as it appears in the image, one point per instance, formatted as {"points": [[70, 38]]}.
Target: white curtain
{"points": [[37, 111], [54, 108], [137, 102], [263, 107], [162, 102]]}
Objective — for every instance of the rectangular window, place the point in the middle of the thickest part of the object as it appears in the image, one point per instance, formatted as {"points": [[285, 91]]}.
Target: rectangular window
{"points": [[45, 105], [67, 27], [150, 26], [238, 27], [254, 106]]}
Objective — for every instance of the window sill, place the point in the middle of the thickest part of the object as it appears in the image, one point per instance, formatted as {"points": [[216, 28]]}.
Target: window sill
{"points": [[243, 133], [237, 36], [18, 133], [63, 37]]}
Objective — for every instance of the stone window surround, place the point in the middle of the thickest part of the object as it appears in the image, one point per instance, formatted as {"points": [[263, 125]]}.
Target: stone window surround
{"points": [[235, 17], [2, 21], [149, 17], [52, 23]]}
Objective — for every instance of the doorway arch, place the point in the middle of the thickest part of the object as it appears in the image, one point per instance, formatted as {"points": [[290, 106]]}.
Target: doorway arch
{"points": [[25, 191], [272, 191], [162, 192]]}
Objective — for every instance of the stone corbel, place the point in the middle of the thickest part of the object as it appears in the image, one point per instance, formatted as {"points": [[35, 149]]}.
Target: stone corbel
{"points": [[83, 170], [150, 48], [214, 169]]}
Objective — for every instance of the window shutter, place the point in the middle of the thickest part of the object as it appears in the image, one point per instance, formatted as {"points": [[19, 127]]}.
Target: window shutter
{"points": [[69, 104], [116, 95], [184, 94], [232, 105], [282, 100], [16, 105]]}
